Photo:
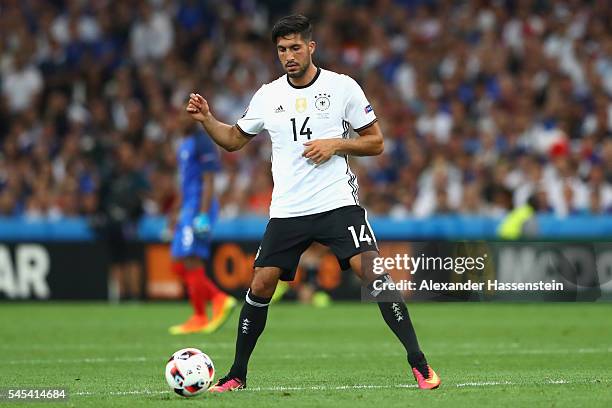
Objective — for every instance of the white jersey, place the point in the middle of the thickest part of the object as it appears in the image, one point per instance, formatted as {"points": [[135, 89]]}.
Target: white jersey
{"points": [[326, 108]]}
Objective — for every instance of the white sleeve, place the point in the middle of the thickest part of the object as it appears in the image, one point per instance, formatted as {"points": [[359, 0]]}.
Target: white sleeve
{"points": [[252, 121], [358, 111]]}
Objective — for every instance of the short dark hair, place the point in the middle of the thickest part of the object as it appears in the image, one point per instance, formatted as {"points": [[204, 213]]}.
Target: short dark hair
{"points": [[293, 24]]}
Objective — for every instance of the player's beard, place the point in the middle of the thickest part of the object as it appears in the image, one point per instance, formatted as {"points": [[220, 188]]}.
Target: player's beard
{"points": [[299, 73]]}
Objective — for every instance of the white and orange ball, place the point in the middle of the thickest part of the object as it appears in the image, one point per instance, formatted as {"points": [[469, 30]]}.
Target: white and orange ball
{"points": [[190, 372]]}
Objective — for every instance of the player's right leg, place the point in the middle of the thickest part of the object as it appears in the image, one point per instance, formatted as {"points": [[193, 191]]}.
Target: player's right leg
{"points": [[277, 258], [193, 278], [251, 324]]}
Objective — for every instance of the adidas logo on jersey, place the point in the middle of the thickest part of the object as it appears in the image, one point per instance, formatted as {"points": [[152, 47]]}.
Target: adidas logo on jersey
{"points": [[279, 109]]}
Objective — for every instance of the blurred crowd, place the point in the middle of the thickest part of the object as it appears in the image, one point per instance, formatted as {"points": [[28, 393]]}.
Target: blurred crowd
{"points": [[485, 105]]}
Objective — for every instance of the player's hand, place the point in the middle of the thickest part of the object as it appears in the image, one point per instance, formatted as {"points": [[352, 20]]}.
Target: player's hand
{"points": [[321, 150], [201, 225], [197, 107]]}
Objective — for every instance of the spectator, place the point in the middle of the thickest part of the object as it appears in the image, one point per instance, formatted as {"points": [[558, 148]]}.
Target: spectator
{"points": [[22, 83], [123, 192], [152, 35], [478, 103]]}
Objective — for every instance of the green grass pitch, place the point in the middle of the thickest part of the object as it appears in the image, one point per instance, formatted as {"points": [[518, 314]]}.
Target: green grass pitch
{"points": [[487, 354]]}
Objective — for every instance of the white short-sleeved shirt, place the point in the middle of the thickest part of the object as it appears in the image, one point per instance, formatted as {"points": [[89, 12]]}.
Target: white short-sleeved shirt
{"points": [[323, 109]]}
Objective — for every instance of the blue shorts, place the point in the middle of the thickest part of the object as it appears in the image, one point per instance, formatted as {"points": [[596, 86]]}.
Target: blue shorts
{"points": [[185, 243]]}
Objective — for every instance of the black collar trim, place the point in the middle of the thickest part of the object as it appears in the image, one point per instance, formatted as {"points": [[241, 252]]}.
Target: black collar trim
{"points": [[308, 84]]}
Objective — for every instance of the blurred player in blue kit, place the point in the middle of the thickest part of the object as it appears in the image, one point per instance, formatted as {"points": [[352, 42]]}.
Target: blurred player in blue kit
{"points": [[197, 162]]}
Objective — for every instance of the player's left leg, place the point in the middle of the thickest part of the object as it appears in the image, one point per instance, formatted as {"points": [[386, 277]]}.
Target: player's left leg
{"points": [[222, 305], [347, 232], [395, 313]]}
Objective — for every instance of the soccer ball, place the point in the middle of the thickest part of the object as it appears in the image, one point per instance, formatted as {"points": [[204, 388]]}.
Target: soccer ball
{"points": [[189, 372]]}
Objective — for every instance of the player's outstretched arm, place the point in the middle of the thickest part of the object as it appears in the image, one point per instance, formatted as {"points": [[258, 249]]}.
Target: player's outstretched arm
{"points": [[226, 136], [369, 143]]}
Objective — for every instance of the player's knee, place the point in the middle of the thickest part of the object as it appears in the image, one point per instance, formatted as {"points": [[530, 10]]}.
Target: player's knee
{"points": [[262, 288], [363, 265], [264, 282], [192, 262]]}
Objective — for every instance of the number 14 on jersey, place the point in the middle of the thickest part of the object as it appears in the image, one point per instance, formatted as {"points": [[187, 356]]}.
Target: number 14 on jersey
{"points": [[304, 131], [363, 236]]}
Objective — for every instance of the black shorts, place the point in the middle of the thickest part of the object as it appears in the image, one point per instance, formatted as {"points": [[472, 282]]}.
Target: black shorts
{"points": [[344, 230], [120, 238]]}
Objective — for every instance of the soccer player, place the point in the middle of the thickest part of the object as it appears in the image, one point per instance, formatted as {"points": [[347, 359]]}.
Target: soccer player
{"points": [[197, 159], [308, 113]]}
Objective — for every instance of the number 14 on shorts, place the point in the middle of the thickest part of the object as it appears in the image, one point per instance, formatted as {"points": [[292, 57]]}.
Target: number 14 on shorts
{"points": [[363, 235]]}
